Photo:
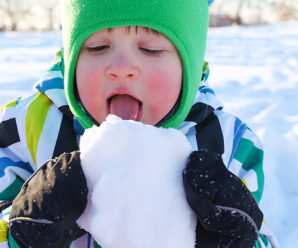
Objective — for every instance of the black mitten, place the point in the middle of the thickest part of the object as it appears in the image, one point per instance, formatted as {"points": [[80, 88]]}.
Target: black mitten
{"points": [[223, 204], [45, 211]]}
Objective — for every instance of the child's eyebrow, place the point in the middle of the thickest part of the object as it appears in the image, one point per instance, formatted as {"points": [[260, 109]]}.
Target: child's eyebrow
{"points": [[136, 28]]}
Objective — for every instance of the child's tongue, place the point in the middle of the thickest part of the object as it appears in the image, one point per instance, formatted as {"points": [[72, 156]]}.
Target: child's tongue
{"points": [[125, 107]]}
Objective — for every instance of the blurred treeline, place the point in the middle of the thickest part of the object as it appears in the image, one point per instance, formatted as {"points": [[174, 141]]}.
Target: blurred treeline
{"points": [[44, 15], [251, 12], [33, 15]]}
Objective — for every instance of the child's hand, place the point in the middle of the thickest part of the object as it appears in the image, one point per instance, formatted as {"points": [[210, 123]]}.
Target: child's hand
{"points": [[221, 201], [45, 211], [136, 194]]}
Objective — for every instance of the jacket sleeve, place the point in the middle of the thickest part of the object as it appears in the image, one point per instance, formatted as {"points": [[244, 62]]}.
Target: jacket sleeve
{"points": [[247, 163], [6, 240], [14, 167]]}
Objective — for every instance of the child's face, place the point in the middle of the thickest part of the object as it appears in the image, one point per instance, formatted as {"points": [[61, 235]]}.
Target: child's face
{"points": [[130, 72]]}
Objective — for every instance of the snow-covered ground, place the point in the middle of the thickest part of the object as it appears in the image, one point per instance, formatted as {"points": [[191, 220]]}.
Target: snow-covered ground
{"points": [[254, 71]]}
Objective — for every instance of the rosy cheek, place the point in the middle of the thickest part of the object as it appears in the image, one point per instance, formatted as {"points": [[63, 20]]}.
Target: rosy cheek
{"points": [[163, 91], [165, 87], [88, 89], [84, 86]]}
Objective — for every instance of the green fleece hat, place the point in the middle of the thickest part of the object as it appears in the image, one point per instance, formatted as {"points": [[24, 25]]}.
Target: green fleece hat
{"points": [[183, 22]]}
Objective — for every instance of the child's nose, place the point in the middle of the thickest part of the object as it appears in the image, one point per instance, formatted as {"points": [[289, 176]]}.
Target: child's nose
{"points": [[122, 67]]}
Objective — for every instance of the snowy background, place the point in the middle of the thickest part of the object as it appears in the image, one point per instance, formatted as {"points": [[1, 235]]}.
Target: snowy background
{"points": [[254, 71]]}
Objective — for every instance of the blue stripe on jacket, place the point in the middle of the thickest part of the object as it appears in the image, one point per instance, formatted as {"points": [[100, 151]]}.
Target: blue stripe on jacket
{"points": [[7, 162]]}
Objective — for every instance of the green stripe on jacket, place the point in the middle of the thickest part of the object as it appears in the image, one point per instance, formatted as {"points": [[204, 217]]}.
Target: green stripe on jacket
{"points": [[251, 157]]}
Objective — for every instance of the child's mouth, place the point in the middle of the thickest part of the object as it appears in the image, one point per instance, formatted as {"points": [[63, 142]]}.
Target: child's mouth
{"points": [[125, 106]]}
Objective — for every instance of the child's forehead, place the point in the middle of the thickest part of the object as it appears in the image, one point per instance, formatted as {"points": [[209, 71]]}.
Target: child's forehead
{"points": [[128, 30], [136, 29]]}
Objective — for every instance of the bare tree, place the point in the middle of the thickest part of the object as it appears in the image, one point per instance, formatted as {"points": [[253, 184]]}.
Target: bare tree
{"points": [[50, 6], [14, 11], [245, 5], [287, 10], [252, 11], [236, 8], [239, 9]]}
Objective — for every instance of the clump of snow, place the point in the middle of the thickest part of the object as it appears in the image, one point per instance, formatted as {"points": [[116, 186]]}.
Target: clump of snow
{"points": [[136, 194]]}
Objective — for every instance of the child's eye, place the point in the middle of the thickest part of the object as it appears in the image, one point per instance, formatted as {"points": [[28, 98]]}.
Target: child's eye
{"points": [[153, 52], [97, 49]]}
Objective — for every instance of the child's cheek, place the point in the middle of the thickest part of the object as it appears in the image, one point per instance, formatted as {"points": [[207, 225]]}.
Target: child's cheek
{"points": [[164, 86], [88, 88]]}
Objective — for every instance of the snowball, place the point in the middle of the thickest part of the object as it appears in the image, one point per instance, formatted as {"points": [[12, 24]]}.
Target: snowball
{"points": [[136, 194]]}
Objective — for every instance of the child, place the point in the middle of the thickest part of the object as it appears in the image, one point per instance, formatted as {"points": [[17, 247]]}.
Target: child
{"points": [[140, 60]]}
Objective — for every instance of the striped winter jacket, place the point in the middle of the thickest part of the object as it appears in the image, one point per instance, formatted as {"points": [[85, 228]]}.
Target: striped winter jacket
{"points": [[39, 127]]}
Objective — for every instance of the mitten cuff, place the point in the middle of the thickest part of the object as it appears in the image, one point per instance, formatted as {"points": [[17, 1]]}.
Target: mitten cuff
{"points": [[236, 228]]}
